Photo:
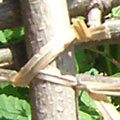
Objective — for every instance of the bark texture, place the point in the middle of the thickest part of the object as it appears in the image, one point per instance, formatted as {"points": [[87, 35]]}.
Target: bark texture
{"points": [[43, 20], [5, 56], [11, 55], [18, 58], [10, 15], [113, 30], [81, 7]]}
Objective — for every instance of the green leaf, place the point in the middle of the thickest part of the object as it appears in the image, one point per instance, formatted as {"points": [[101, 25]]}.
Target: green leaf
{"points": [[116, 102], [13, 108], [83, 61], [2, 37], [81, 17], [86, 99], [116, 11], [4, 84], [8, 33], [17, 32], [84, 116], [116, 75], [13, 34], [93, 71], [87, 107], [10, 90]]}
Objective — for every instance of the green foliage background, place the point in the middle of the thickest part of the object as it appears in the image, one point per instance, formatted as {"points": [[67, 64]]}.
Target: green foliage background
{"points": [[14, 101]]}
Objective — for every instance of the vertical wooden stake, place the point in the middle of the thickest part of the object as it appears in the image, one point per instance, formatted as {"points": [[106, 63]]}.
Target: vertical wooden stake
{"points": [[43, 20]]}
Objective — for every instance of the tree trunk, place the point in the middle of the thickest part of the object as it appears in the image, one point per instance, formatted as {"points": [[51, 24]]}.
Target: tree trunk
{"points": [[43, 20], [10, 15]]}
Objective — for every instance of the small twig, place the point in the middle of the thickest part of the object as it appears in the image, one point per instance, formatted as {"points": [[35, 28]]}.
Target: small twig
{"points": [[5, 75], [117, 63], [5, 57], [113, 60]]}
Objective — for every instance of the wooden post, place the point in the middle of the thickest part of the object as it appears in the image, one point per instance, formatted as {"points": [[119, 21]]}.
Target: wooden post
{"points": [[43, 20]]}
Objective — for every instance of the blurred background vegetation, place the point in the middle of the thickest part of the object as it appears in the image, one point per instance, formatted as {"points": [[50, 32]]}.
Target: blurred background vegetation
{"points": [[105, 59]]}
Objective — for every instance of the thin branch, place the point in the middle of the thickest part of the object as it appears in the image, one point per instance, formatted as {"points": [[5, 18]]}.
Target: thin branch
{"points": [[112, 34], [6, 74], [111, 59], [48, 53], [81, 7], [11, 55], [5, 57]]}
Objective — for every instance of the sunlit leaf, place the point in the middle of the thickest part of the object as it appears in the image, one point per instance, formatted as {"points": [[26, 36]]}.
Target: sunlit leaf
{"points": [[13, 108], [116, 11], [93, 71], [13, 34], [116, 75], [81, 17], [87, 107], [84, 116], [2, 37]]}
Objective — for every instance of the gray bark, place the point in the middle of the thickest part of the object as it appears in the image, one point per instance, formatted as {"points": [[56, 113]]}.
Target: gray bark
{"points": [[19, 59], [81, 7], [5, 57], [42, 23], [113, 30], [11, 55], [10, 15]]}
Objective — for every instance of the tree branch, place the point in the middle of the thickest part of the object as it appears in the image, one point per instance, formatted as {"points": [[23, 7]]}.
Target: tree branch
{"points": [[10, 15], [11, 55], [112, 35], [81, 7]]}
